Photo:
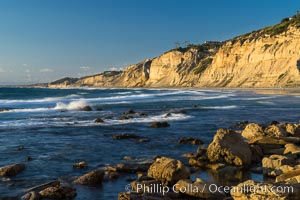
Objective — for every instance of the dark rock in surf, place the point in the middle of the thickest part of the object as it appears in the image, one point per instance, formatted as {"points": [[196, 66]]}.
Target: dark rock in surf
{"points": [[186, 140], [4, 109], [80, 165], [159, 124], [86, 108], [12, 170], [125, 117], [99, 120], [129, 112], [92, 178]]}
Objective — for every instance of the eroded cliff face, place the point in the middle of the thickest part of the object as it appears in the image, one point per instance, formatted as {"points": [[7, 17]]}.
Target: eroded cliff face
{"points": [[267, 58], [265, 62]]}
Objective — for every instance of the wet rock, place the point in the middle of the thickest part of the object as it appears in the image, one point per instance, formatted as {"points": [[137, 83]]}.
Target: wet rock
{"points": [[111, 175], [92, 178], [189, 155], [255, 190], [20, 148], [130, 136], [271, 165], [252, 131], [275, 130], [186, 140], [129, 112], [197, 189], [12, 170], [4, 109], [291, 176], [131, 167], [125, 117], [293, 129], [274, 122], [228, 146], [292, 149], [168, 115], [44, 186], [86, 108], [58, 193], [28, 159], [31, 196], [168, 170], [80, 165], [99, 120], [241, 124], [256, 153], [159, 124], [143, 115]]}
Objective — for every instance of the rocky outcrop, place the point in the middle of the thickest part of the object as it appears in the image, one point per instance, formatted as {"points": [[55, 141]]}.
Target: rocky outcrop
{"points": [[168, 171], [228, 146], [12, 170], [92, 178]]}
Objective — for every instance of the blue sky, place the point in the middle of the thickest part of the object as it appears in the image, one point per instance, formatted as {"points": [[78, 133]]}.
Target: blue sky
{"points": [[43, 40]]}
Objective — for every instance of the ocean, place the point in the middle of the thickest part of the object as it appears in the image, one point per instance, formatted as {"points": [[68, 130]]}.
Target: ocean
{"points": [[48, 126]]}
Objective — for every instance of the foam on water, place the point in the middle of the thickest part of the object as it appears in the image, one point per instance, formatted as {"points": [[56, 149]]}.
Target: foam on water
{"points": [[74, 105]]}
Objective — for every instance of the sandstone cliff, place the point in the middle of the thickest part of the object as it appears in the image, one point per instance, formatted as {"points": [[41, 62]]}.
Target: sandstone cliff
{"points": [[269, 57]]}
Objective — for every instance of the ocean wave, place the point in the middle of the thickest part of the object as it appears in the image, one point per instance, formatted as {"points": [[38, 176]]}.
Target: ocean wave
{"points": [[220, 107], [42, 100], [74, 105]]}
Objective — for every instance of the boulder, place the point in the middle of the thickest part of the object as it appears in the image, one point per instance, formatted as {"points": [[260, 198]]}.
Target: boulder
{"points": [[31, 196], [80, 165], [271, 165], [92, 178], [168, 171], [129, 112], [293, 129], [125, 117], [86, 108], [99, 120], [260, 191], [228, 146], [256, 153], [276, 130], [130, 136], [287, 176], [159, 124], [58, 193], [187, 140], [252, 131], [291, 149], [12, 170]]}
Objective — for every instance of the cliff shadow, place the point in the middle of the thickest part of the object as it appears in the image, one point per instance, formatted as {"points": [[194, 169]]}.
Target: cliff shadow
{"points": [[298, 65]]}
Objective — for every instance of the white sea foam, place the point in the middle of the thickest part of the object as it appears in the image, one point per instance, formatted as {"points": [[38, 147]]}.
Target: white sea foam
{"points": [[74, 105], [221, 107]]}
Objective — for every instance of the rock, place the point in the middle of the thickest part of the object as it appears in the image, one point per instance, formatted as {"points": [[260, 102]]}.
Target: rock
{"points": [[291, 149], [28, 159], [125, 136], [92, 178], [274, 122], [99, 120], [80, 165], [125, 117], [272, 164], [168, 115], [189, 155], [287, 176], [228, 146], [130, 136], [138, 186], [159, 124], [44, 186], [129, 112], [256, 153], [293, 129], [241, 124], [4, 109], [86, 108], [58, 193], [143, 115], [268, 141], [252, 131], [111, 175], [260, 191], [12, 170], [31, 196], [168, 171], [276, 131], [197, 189], [185, 140], [20, 148]]}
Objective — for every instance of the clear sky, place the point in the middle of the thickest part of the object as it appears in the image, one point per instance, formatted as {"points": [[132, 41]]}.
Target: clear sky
{"points": [[43, 40]]}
